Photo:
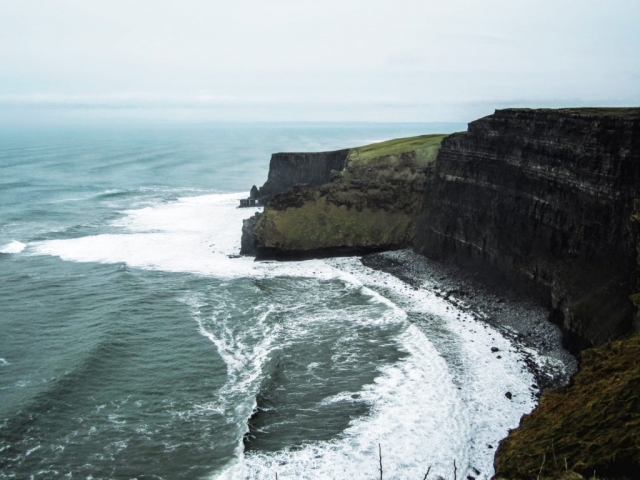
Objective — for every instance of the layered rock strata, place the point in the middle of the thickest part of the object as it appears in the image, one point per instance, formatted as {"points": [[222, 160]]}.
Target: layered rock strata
{"points": [[289, 169], [544, 197]]}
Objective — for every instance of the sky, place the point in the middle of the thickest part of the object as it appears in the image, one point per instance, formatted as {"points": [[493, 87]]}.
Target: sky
{"points": [[304, 60]]}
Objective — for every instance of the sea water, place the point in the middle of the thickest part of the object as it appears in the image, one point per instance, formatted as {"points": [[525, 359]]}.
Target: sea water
{"points": [[133, 344]]}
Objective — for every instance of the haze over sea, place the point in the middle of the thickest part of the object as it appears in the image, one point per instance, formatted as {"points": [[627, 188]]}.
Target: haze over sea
{"points": [[133, 346]]}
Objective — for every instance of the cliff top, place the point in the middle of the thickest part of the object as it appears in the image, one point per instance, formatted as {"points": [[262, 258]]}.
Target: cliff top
{"points": [[425, 146], [627, 113]]}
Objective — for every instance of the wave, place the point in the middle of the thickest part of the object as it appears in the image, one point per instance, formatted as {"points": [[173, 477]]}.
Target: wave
{"points": [[191, 235], [465, 343], [425, 409], [442, 400], [244, 347], [114, 193], [411, 403], [13, 247], [52, 394]]}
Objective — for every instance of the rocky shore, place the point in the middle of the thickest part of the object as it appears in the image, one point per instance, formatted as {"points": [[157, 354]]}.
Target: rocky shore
{"points": [[544, 198], [515, 315]]}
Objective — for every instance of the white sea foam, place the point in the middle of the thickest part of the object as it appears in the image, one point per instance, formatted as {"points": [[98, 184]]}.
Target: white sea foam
{"points": [[31, 450], [192, 235], [13, 247], [416, 416], [244, 348], [443, 401], [482, 379], [3, 362]]}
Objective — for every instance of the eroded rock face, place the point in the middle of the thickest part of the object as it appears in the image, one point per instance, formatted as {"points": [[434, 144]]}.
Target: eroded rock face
{"points": [[544, 197], [289, 169], [369, 205], [286, 171], [361, 212], [248, 242]]}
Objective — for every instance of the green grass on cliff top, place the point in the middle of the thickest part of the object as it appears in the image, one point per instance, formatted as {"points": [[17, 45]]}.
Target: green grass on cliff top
{"points": [[425, 146]]}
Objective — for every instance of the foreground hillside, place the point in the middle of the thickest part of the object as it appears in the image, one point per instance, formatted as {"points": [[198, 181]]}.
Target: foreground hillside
{"points": [[593, 425]]}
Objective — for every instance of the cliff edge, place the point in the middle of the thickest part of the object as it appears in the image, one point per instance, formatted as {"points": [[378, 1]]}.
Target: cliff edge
{"points": [[544, 198], [310, 168]]}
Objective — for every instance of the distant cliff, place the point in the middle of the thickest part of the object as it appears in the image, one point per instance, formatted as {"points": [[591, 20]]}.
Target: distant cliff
{"points": [[289, 169], [544, 197], [369, 204]]}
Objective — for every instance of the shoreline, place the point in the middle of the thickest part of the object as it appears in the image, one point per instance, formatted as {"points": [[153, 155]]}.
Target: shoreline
{"points": [[517, 317]]}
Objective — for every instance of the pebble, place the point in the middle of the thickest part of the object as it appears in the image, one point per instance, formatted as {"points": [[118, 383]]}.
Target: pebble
{"points": [[511, 313]]}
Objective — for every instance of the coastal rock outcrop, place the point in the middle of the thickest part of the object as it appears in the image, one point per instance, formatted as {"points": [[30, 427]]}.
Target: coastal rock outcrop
{"points": [[369, 205], [545, 198], [309, 168]]}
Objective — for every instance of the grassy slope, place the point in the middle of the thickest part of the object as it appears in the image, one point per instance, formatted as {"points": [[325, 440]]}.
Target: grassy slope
{"points": [[593, 424], [318, 224], [368, 205], [425, 146]]}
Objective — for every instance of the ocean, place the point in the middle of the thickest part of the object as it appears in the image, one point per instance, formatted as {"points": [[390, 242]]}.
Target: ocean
{"points": [[133, 344]]}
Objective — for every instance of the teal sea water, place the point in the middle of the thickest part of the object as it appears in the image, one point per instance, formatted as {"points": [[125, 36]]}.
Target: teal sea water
{"points": [[133, 346]]}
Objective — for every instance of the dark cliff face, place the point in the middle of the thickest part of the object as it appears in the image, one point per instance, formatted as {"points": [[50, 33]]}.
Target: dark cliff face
{"points": [[289, 169], [544, 197], [248, 242], [286, 171]]}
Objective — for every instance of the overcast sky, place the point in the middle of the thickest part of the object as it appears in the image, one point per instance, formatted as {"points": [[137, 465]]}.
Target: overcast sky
{"points": [[373, 60]]}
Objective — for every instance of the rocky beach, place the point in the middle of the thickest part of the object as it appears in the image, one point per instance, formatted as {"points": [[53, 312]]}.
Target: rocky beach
{"points": [[516, 316]]}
